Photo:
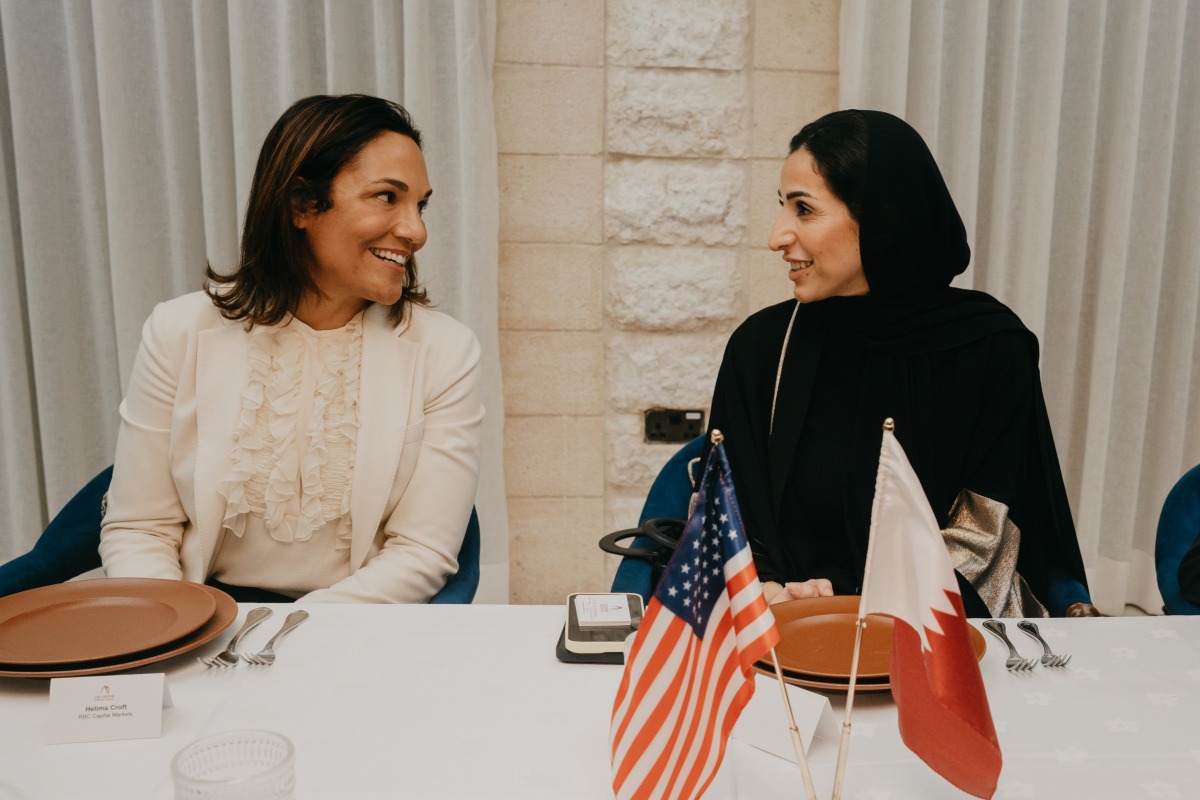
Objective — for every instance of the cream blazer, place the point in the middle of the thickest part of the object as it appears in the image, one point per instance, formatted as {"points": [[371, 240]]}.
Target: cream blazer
{"points": [[416, 460]]}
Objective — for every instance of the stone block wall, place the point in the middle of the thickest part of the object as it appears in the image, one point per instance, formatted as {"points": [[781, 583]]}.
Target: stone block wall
{"points": [[640, 146]]}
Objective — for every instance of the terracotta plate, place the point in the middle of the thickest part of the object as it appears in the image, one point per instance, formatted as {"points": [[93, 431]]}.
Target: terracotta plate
{"points": [[97, 620], [826, 684], [226, 613], [817, 644]]}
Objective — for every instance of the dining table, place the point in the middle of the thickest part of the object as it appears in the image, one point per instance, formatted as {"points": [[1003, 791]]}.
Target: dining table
{"points": [[442, 701]]}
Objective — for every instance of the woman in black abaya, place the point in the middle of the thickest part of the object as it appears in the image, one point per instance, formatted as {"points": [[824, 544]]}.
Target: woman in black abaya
{"points": [[872, 239]]}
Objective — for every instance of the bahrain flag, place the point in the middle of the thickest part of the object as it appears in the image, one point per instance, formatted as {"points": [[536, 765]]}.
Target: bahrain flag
{"points": [[939, 694]]}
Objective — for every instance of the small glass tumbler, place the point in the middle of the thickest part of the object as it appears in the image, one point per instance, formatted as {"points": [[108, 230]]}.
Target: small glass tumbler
{"points": [[238, 765]]}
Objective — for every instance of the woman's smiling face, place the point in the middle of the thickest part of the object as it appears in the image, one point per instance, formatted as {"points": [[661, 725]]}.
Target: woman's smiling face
{"points": [[359, 247], [816, 234]]}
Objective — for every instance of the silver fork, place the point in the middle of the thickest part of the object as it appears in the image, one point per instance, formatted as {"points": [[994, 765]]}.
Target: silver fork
{"points": [[229, 656], [266, 656], [1014, 663], [1048, 658]]}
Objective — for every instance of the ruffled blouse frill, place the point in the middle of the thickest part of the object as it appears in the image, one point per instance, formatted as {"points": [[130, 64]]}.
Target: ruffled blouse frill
{"points": [[296, 486]]}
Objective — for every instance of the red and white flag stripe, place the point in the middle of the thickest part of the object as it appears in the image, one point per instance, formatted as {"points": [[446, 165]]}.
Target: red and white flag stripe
{"points": [[940, 699], [688, 674]]}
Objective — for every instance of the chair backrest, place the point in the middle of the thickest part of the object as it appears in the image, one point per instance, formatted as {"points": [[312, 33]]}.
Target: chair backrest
{"points": [[68, 547], [669, 496], [462, 585], [671, 493], [1178, 526]]}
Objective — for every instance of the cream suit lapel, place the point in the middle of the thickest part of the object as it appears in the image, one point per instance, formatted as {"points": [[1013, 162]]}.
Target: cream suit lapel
{"points": [[222, 374], [386, 383]]}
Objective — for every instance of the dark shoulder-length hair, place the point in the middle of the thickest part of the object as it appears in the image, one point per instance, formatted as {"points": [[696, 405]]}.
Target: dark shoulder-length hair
{"points": [[838, 145], [305, 150]]}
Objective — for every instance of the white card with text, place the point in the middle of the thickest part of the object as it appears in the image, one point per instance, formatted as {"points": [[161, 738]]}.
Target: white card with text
{"points": [[602, 610], [107, 707], [764, 722]]}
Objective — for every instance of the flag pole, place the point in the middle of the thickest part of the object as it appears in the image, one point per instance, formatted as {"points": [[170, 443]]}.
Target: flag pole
{"points": [[801, 759], [843, 746], [717, 437]]}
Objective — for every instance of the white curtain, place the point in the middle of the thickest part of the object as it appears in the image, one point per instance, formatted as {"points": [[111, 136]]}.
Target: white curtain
{"points": [[1067, 131], [128, 135]]}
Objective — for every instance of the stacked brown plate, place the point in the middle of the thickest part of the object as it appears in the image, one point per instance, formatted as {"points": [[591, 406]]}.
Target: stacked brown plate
{"points": [[106, 625], [816, 645]]}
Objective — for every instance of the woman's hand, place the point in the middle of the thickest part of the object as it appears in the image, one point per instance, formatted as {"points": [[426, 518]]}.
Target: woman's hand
{"points": [[793, 590]]}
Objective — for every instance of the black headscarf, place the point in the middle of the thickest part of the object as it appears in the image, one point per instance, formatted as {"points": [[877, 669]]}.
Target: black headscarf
{"points": [[911, 236], [913, 243], [909, 344]]}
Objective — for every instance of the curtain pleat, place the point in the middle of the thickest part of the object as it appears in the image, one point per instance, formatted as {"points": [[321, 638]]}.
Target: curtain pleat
{"points": [[148, 135], [129, 131], [1064, 131], [60, 189], [22, 492], [223, 206], [456, 120]]}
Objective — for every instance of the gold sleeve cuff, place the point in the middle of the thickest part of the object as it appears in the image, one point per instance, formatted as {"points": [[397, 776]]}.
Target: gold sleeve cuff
{"points": [[983, 544]]}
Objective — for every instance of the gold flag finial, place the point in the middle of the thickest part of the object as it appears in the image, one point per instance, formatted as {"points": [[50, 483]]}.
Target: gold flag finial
{"points": [[717, 437], [889, 424]]}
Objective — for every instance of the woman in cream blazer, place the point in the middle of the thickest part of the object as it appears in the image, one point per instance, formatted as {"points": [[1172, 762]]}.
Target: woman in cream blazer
{"points": [[410, 480]]}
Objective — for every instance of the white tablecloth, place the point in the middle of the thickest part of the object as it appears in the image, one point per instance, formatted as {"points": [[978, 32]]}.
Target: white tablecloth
{"points": [[470, 702]]}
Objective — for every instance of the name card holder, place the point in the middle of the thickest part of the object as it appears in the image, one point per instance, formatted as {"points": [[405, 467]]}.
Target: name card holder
{"points": [[764, 723], [106, 708]]}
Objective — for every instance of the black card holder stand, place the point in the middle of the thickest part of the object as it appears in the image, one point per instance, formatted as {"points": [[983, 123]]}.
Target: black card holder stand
{"points": [[571, 657], [606, 644]]}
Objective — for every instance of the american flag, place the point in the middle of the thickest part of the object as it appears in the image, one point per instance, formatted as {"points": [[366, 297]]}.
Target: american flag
{"points": [[688, 675]]}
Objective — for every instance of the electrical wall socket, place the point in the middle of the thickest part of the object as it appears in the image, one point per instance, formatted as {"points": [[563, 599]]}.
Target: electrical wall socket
{"points": [[673, 425]]}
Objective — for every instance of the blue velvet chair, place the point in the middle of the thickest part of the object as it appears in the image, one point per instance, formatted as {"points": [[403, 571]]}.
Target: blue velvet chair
{"points": [[70, 546], [1178, 526], [461, 586], [671, 494]]}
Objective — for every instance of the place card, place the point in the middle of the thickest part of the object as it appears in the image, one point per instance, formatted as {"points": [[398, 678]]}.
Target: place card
{"points": [[602, 610], [105, 708], [764, 721]]}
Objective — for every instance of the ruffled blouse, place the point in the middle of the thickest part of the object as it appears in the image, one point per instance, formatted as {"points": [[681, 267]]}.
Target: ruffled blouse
{"points": [[292, 463]]}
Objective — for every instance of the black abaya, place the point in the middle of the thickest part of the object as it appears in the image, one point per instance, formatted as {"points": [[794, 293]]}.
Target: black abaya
{"points": [[956, 370]]}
